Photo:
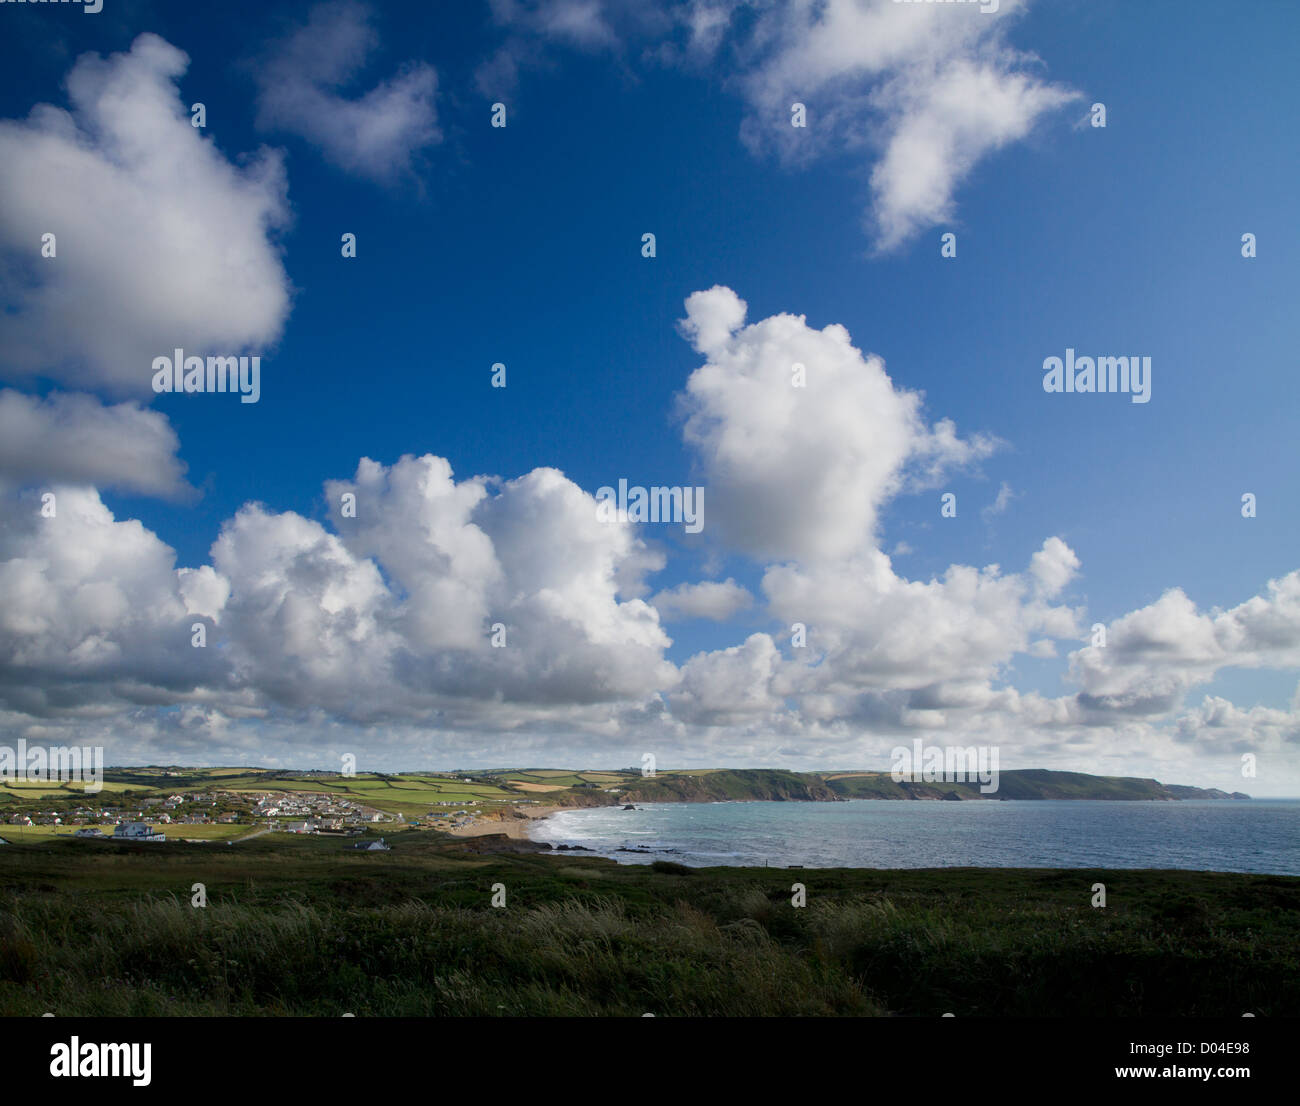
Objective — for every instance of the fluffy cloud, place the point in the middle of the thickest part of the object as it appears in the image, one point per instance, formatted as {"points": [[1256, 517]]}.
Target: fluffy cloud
{"points": [[729, 686], [941, 121], [708, 599], [315, 647], [1053, 566], [532, 557], [1221, 725], [922, 93], [1154, 655], [374, 135], [870, 629], [930, 89], [882, 652], [443, 562], [161, 241], [801, 472], [74, 439], [91, 612], [797, 477], [375, 629], [796, 480], [306, 623], [392, 618]]}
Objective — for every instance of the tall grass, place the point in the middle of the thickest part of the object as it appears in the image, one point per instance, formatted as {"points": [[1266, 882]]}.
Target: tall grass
{"points": [[303, 931], [164, 957]]}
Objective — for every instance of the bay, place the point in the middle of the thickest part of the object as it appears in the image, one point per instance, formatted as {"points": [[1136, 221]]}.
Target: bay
{"points": [[1261, 835]]}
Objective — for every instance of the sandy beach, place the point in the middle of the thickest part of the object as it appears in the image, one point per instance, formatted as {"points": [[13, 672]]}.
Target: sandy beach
{"points": [[513, 822]]}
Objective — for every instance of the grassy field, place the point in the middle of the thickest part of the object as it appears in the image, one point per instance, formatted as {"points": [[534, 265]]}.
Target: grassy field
{"points": [[66, 789], [302, 926], [204, 832], [37, 834]]}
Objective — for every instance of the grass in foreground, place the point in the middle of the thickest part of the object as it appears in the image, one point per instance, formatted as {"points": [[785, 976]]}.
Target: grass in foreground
{"points": [[302, 927]]}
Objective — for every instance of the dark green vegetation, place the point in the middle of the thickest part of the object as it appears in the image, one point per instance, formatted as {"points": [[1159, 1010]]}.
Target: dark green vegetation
{"points": [[302, 927], [715, 784], [737, 784], [1023, 783]]}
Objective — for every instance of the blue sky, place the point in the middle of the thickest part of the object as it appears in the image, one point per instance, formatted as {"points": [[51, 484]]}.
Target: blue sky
{"points": [[522, 245]]}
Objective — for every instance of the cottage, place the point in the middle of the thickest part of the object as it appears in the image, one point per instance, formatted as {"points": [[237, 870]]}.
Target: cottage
{"points": [[371, 846], [137, 831]]}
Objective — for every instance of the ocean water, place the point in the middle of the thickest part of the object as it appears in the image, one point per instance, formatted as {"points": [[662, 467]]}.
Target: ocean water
{"points": [[1260, 835]]}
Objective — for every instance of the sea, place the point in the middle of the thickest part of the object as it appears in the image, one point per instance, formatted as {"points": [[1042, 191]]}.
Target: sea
{"points": [[1257, 835]]}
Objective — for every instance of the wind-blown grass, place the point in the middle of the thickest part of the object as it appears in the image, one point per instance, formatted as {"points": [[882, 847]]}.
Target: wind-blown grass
{"points": [[302, 929]]}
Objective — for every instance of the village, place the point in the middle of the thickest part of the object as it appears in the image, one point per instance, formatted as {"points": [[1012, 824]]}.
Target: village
{"points": [[153, 819]]}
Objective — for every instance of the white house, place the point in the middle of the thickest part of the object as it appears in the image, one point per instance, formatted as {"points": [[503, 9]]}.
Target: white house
{"points": [[137, 831]]}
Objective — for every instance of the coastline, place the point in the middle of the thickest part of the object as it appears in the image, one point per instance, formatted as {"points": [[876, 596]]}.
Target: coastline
{"points": [[733, 836], [514, 823]]}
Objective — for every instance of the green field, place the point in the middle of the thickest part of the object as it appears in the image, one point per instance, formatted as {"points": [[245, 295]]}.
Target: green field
{"points": [[18, 834], [409, 795], [38, 834], [302, 926], [54, 789], [206, 833]]}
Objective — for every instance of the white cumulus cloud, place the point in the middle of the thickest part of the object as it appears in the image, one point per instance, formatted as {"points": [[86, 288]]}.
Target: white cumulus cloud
{"points": [[72, 438], [160, 240], [714, 599], [303, 85], [801, 471]]}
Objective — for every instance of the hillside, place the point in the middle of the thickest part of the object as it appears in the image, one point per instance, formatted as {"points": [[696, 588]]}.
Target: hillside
{"points": [[258, 800], [769, 784], [1022, 784]]}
